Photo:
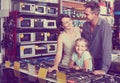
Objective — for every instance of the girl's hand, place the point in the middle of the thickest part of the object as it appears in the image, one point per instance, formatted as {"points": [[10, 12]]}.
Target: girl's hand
{"points": [[77, 67]]}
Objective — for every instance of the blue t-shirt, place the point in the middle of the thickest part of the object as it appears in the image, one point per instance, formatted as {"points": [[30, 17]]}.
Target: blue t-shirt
{"points": [[80, 62]]}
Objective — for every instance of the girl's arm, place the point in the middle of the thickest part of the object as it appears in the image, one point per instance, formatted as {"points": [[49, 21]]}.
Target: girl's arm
{"points": [[86, 64], [71, 65]]}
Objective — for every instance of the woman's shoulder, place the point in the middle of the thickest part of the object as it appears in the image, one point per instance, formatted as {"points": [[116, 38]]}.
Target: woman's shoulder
{"points": [[76, 28], [62, 33]]}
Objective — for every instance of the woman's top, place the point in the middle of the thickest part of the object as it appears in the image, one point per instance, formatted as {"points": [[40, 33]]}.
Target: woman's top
{"points": [[68, 45]]}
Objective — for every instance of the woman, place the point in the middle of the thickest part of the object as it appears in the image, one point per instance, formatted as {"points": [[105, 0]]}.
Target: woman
{"points": [[65, 42]]}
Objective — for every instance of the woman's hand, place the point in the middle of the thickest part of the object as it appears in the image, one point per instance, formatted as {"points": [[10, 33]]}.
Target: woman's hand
{"points": [[50, 69]]}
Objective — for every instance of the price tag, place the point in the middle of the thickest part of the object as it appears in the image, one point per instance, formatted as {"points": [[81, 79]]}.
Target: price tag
{"points": [[7, 64], [61, 77], [16, 65], [31, 69], [42, 73]]}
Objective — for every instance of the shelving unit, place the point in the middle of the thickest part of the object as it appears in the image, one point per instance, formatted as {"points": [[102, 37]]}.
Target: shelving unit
{"points": [[75, 10], [73, 4], [34, 32]]}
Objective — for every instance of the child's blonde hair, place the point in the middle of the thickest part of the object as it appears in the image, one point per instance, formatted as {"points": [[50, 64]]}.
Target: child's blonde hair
{"points": [[82, 39]]}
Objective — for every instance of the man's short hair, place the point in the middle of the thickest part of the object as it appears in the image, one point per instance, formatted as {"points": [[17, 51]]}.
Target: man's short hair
{"points": [[94, 6]]}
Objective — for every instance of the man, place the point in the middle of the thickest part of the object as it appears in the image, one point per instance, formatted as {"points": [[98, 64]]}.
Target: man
{"points": [[99, 35]]}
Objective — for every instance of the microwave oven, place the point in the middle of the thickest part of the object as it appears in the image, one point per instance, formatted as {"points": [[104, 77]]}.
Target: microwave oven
{"points": [[27, 51], [51, 48], [25, 23], [39, 23], [51, 36], [25, 37], [39, 36], [40, 10], [25, 7], [52, 11], [51, 24], [40, 49]]}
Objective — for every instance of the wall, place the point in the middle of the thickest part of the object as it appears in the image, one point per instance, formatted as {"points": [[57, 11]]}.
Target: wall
{"points": [[5, 8]]}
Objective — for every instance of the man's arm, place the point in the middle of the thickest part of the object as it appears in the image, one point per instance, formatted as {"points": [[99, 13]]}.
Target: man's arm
{"points": [[106, 47]]}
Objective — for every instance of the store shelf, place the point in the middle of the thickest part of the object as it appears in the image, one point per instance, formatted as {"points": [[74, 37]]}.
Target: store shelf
{"points": [[73, 4], [33, 15], [36, 42], [73, 1], [30, 56], [38, 29]]}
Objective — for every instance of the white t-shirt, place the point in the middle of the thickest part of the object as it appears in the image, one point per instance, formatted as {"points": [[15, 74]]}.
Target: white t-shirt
{"points": [[80, 62]]}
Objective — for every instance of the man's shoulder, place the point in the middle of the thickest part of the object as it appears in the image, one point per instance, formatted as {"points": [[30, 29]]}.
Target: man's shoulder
{"points": [[86, 24], [103, 21]]}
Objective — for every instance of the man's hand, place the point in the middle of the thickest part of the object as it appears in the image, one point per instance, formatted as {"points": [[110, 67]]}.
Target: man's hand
{"points": [[99, 72]]}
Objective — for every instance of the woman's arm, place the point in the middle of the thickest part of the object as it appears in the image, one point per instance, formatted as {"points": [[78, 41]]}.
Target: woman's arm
{"points": [[58, 55], [59, 52]]}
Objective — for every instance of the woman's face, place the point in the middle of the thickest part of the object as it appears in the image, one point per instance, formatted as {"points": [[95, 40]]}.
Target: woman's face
{"points": [[66, 23], [80, 47]]}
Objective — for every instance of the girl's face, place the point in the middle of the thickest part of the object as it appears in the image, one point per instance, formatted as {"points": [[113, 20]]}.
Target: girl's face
{"points": [[80, 47], [66, 23]]}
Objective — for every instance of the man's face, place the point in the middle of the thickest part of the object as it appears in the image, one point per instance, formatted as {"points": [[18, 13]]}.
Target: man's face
{"points": [[89, 14]]}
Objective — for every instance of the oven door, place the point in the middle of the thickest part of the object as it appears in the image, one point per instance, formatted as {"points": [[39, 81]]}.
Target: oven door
{"points": [[27, 51]]}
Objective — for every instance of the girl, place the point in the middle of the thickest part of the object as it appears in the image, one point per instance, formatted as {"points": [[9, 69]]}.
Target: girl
{"points": [[81, 57]]}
